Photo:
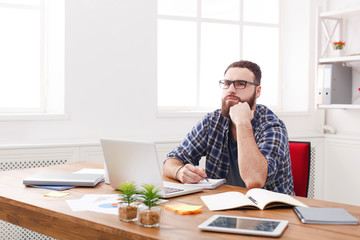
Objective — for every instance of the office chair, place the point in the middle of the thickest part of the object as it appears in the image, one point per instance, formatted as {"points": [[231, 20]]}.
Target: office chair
{"points": [[300, 154]]}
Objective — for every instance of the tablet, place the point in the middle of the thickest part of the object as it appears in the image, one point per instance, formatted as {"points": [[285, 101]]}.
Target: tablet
{"points": [[244, 225]]}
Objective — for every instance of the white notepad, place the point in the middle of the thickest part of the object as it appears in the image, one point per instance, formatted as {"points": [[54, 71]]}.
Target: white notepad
{"points": [[60, 178], [210, 184]]}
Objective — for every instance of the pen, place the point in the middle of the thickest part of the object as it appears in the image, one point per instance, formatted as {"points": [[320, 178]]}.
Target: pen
{"points": [[206, 179], [253, 200]]}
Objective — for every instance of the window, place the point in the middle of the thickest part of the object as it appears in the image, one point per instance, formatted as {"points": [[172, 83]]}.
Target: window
{"points": [[198, 39], [32, 56]]}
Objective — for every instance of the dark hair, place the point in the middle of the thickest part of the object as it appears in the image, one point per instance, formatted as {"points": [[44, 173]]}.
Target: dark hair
{"points": [[253, 67]]}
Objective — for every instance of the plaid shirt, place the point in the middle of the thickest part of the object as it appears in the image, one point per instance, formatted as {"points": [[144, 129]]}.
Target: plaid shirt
{"points": [[210, 136]]}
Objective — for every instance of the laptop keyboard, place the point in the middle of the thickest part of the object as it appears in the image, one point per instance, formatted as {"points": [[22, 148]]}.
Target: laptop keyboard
{"points": [[168, 190]]}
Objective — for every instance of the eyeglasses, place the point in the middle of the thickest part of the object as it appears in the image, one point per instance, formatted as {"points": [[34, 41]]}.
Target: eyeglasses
{"points": [[238, 84]]}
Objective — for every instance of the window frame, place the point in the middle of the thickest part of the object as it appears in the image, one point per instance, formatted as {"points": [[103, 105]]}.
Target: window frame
{"points": [[188, 111], [42, 112]]}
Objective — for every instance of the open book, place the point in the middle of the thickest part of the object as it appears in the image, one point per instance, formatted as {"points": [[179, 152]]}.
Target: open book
{"points": [[256, 198]]}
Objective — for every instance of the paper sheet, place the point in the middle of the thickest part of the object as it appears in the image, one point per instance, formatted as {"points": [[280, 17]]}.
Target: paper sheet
{"points": [[102, 203], [95, 202]]}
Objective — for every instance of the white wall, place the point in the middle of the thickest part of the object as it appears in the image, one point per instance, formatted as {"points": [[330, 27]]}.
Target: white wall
{"points": [[111, 79]]}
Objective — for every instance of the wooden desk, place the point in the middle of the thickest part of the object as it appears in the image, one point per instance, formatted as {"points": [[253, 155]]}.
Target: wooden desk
{"points": [[27, 207]]}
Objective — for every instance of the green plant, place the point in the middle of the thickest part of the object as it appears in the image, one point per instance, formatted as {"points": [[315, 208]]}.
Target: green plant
{"points": [[128, 191], [150, 195]]}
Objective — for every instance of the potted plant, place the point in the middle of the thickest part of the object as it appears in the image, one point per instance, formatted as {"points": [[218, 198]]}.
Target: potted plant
{"points": [[149, 214], [128, 204], [339, 45]]}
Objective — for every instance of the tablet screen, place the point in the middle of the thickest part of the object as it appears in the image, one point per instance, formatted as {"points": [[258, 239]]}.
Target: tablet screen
{"points": [[248, 224]]}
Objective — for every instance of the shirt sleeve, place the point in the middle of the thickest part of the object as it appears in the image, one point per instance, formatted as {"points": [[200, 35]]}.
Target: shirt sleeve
{"points": [[273, 146], [272, 139], [193, 146]]}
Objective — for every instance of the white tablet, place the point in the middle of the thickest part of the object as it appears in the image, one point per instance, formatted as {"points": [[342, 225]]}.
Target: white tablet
{"points": [[244, 225]]}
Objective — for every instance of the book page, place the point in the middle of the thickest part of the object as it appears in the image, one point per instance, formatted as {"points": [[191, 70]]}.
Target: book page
{"points": [[268, 199], [227, 200]]}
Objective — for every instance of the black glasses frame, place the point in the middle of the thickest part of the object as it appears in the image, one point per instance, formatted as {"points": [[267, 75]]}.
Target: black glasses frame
{"points": [[235, 82]]}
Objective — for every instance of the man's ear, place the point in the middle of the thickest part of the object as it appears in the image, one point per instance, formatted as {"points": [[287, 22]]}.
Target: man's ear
{"points": [[258, 91]]}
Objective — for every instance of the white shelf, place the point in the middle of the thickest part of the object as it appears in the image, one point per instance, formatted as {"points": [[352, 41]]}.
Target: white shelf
{"points": [[340, 59], [339, 106], [341, 13]]}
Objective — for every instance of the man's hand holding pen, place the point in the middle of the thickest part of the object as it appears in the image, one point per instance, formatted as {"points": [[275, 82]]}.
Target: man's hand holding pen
{"points": [[191, 174]]}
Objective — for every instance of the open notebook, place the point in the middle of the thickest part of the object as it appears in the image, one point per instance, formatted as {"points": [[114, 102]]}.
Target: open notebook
{"points": [[255, 198]]}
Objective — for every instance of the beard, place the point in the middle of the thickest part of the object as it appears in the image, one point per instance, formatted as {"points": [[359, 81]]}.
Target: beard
{"points": [[225, 106]]}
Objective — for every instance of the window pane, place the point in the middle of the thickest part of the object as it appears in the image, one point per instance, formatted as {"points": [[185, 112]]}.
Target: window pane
{"points": [[219, 48], [261, 47], [55, 56], [220, 9], [24, 2], [266, 11], [19, 58], [184, 8], [177, 63]]}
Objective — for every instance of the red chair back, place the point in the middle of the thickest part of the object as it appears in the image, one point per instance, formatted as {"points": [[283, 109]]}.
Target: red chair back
{"points": [[300, 154]]}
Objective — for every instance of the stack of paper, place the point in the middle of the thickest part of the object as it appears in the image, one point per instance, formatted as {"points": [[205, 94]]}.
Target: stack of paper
{"points": [[209, 183]]}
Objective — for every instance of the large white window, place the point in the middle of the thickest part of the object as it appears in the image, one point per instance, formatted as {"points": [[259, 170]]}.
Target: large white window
{"points": [[198, 39], [31, 56]]}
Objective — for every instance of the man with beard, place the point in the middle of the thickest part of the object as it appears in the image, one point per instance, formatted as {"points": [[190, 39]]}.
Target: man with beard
{"points": [[245, 143]]}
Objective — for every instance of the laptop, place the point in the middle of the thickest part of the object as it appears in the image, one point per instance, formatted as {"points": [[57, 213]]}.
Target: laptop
{"points": [[136, 161]]}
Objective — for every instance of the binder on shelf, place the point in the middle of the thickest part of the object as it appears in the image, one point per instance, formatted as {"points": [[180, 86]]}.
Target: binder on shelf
{"points": [[322, 70], [334, 84]]}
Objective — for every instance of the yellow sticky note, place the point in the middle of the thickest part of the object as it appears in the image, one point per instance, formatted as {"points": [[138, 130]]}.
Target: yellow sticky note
{"points": [[56, 194], [186, 207], [182, 208]]}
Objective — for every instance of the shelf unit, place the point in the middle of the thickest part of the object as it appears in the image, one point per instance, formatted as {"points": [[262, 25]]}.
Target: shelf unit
{"points": [[340, 59], [337, 20]]}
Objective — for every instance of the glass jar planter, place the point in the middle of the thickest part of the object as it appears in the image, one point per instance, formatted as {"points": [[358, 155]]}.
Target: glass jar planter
{"points": [[149, 217], [127, 213]]}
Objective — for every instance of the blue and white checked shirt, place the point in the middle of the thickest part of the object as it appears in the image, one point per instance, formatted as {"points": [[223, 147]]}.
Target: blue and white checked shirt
{"points": [[210, 136]]}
